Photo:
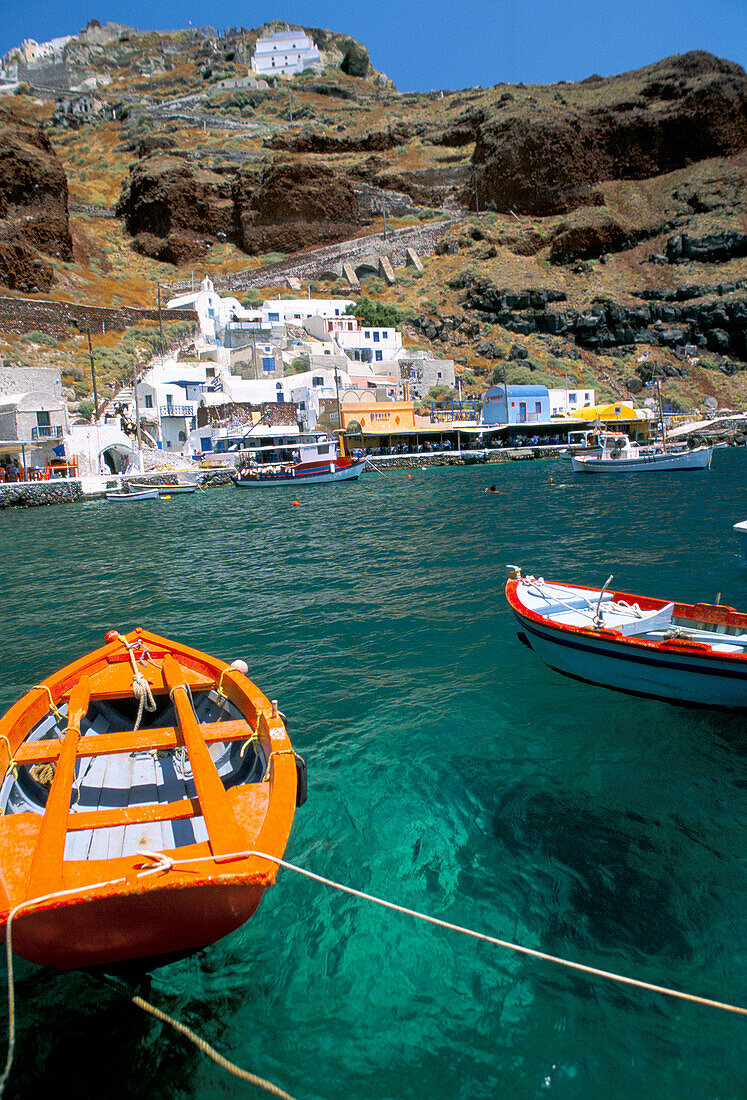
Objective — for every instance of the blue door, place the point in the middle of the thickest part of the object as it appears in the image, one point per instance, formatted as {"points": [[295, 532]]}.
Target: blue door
{"points": [[522, 412]]}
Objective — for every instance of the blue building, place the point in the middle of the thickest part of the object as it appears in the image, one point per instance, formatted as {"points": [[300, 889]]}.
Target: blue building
{"points": [[526, 405]]}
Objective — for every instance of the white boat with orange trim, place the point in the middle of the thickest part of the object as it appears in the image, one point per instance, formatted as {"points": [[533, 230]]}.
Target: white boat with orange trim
{"points": [[682, 653], [619, 455], [140, 784]]}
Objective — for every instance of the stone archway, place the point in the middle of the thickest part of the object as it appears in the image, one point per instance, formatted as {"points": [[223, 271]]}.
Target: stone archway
{"points": [[363, 270], [115, 458]]}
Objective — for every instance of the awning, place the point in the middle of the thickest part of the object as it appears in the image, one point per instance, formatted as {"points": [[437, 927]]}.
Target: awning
{"points": [[13, 447]]}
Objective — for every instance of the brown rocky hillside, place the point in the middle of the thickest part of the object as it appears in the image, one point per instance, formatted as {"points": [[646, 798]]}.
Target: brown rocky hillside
{"points": [[584, 226]]}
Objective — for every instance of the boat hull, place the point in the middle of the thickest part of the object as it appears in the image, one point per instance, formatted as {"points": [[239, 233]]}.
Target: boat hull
{"points": [[140, 863], [147, 494], [673, 670], [670, 677], [699, 459], [318, 475], [740, 530], [153, 924]]}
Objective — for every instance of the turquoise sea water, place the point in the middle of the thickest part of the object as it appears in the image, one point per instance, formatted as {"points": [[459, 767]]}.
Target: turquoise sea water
{"points": [[449, 771]]}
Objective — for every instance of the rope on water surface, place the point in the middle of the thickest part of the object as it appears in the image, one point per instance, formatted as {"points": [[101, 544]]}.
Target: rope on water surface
{"points": [[517, 947], [211, 1052], [162, 863]]}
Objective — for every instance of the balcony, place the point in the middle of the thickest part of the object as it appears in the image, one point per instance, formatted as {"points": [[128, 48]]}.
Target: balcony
{"points": [[176, 410], [46, 431]]}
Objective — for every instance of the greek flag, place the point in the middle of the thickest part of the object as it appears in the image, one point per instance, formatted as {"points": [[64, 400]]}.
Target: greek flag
{"points": [[216, 385], [60, 451]]}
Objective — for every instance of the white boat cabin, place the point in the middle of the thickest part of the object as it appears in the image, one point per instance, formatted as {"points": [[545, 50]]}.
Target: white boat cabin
{"points": [[303, 448]]}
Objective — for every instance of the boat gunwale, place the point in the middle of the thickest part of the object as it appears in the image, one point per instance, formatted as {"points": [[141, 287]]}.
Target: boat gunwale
{"points": [[717, 613]]}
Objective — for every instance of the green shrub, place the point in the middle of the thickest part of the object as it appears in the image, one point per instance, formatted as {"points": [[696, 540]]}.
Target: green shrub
{"points": [[39, 338], [440, 393], [378, 313], [85, 408]]}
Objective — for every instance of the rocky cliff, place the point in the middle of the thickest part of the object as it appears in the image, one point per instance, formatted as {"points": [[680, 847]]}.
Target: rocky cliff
{"points": [[33, 206], [546, 156], [619, 204]]}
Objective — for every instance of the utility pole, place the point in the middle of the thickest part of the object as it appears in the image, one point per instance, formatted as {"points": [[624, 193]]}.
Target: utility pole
{"points": [[137, 414], [93, 377], [339, 412], [383, 213], [505, 393], [160, 326]]}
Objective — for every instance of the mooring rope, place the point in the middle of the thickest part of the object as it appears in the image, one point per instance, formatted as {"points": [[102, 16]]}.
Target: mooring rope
{"points": [[163, 863], [207, 1049], [199, 1042], [517, 947]]}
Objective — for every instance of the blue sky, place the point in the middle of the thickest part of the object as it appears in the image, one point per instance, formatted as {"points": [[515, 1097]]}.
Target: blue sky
{"points": [[438, 44]]}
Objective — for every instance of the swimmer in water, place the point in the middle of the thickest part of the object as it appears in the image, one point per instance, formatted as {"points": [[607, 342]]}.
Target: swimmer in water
{"points": [[492, 489]]}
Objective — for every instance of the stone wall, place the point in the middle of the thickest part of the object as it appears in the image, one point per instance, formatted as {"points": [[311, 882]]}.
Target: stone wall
{"points": [[23, 315], [281, 413], [31, 494]]}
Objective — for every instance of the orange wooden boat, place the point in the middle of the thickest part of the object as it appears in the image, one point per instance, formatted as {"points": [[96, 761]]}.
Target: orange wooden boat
{"points": [[132, 778]]}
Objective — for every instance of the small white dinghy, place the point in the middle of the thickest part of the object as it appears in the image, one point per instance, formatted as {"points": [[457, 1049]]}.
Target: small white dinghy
{"points": [[137, 494], [682, 653]]}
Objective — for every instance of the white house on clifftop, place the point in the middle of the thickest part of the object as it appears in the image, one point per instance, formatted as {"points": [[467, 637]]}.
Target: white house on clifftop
{"points": [[285, 53]]}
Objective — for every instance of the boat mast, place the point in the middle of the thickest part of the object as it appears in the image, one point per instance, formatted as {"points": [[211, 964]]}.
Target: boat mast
{"points": [[339, 412], [661, 415], [137, 415]]}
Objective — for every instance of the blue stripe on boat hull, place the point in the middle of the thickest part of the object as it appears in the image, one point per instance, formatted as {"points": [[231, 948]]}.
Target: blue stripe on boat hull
{"points": [[670, 677]]}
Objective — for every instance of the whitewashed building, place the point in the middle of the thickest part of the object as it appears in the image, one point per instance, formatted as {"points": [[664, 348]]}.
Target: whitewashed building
{"points": [[217, 315], [418, 372], [294, 311], [566, 402], [100, 449], [284, 53], [169, 395], [359, 342]]}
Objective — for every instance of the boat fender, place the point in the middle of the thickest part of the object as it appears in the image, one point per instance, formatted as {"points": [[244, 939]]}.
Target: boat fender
{"points": [[302, 779]]}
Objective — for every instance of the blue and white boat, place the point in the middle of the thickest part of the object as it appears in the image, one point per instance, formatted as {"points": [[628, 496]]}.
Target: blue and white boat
{"points": [[741, 530], [135, 494], [620, 456], [682, 653]]}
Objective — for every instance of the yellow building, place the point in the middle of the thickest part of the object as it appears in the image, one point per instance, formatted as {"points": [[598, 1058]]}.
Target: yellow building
{"points": [[635, 422], [380, 426]]}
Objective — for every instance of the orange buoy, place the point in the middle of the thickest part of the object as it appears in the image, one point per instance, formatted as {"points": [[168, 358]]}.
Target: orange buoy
{"points": [[296, 503], [409, 475]]}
